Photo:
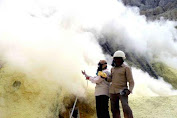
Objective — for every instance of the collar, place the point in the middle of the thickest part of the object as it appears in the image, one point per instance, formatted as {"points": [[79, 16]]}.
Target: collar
{"points": [[121, 65]]}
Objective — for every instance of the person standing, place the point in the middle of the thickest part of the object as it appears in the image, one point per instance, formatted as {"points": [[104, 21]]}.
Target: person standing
{"points": [[101, 89], [121, 74]]}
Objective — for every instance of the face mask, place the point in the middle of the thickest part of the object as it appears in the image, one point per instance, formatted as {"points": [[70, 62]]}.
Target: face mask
{"points": [[100, 67], [114, 64]]}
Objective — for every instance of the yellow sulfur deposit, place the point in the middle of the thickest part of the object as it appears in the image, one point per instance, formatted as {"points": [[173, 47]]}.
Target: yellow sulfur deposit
{"points": [[24, 97], [102, 74]]}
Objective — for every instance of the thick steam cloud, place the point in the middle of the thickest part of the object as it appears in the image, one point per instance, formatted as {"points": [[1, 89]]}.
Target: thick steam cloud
{"points": [[51, 40], [55, 39]]}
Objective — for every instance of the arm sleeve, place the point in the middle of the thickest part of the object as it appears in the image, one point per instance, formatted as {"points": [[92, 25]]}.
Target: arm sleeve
{"points": [[130, 78], [109, 76], [96, 79]]}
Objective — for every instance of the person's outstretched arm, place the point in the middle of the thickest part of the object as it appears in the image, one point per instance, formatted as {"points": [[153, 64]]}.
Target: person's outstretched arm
{"points": [[96, 79]]}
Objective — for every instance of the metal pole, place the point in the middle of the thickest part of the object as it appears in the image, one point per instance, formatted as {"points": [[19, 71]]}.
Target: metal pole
{"points": [[73, 108], [75, 104]]}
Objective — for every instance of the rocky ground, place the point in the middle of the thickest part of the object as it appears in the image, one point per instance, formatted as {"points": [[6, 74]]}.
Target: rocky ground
{"points": [[155, 9], [154, 107]]}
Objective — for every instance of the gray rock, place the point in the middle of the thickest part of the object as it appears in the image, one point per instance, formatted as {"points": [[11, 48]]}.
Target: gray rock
{"points": [[155, 9], [165, 2], [152, 3], [158, 10], [147, 13]]}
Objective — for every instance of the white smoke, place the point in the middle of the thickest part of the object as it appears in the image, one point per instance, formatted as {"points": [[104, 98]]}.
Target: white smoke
{"points": [[45, 49], [51, 39], [148, 86]]}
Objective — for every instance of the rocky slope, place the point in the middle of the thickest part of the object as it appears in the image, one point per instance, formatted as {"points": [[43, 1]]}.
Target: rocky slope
{"points": [[154, 69], [155, 9]]}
